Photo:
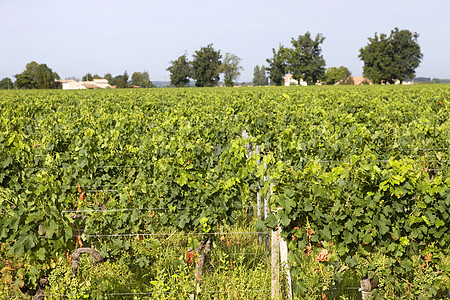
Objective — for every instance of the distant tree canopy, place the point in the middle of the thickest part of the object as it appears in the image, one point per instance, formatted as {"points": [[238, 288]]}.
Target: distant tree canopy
{"points": [[141, 79], [90, 77], [180, 71], [388, 58], [36, 76], [259, 76], [206, 66], [340, 75], [277, 65], [6, 84], [110, 78], [231, 69], [122, 81], [87, 77], [304, 60]]}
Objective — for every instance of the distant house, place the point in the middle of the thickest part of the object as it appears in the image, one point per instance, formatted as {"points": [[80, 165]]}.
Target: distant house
{"points": [[289, 80], [83, 85], [359, 80], [397, 82]]}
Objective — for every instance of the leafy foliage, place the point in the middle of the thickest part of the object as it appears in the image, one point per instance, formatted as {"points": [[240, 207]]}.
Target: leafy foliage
{"points": [[36, 76], [277, 65], [390, 58], [122, 81], [305, 60], [231, 69], [180, 71], [6, 84], [259, 76], [366, 169], [205, 66], [339, 75], [141, 79]]}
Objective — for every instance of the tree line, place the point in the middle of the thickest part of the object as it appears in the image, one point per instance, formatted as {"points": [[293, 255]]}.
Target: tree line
{"points": [[205, 68], [386, 58]]}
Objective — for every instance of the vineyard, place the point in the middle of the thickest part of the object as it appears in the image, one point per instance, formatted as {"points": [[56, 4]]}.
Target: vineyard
{"points": [[355, 176]]}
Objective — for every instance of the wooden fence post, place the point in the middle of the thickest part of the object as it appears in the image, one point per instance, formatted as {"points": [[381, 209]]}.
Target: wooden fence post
{"points": [[279, 249], [285, 266], [258, 199], [266, 210], [366, 289], [275, 264]]}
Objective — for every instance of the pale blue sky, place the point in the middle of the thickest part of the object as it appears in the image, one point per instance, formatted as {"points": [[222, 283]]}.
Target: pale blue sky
{"points": [[100, 36]]}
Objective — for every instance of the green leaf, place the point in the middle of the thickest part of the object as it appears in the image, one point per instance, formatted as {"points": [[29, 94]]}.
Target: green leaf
{"points": [[325, 233], [307, 205], [40, 254], [439, 223], [260, 226]]}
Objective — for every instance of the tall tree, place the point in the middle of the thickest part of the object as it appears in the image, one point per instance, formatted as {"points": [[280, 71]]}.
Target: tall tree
{"points": [[206, 66], [44, 77], [277, 65], [231, 69], [388, 58], [122, 81], [180, 71], [256, 76], [305, 60], [259, 76], [263, 76], [6, 84], [141, 79], [35, 76], [340, 75]]}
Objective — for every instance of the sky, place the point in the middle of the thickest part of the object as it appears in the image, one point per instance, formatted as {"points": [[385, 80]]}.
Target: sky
{"points": [[110, 36]]}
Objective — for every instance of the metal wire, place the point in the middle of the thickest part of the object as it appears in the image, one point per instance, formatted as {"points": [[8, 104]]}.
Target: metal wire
{"points": [[161, 234], [236, 291], [143, 209]]}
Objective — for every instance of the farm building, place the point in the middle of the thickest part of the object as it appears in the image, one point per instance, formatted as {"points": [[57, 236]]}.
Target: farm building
{"points": [[289, 80], [82, 85]]}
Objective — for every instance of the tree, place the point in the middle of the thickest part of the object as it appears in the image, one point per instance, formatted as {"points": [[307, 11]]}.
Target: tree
{"points": [[180, 71], [206, 66], [44, 77], [87, 77], [388, 58], [6, 84], [35, 76], [141, 79], [256, 76], [111, 80], [231, 69], [342, 75], [277, 65], [304, 60], [259, 76], [122, 81]]}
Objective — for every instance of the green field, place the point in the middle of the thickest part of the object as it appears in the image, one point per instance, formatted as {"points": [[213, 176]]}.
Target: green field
{"points": [[144, 175]]}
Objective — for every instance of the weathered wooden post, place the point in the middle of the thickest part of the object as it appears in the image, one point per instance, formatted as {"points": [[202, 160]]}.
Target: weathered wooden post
{"points": [[275, 264], [266, 210], [258, 199], [280, 250], [285, 266], [366, 289]]}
